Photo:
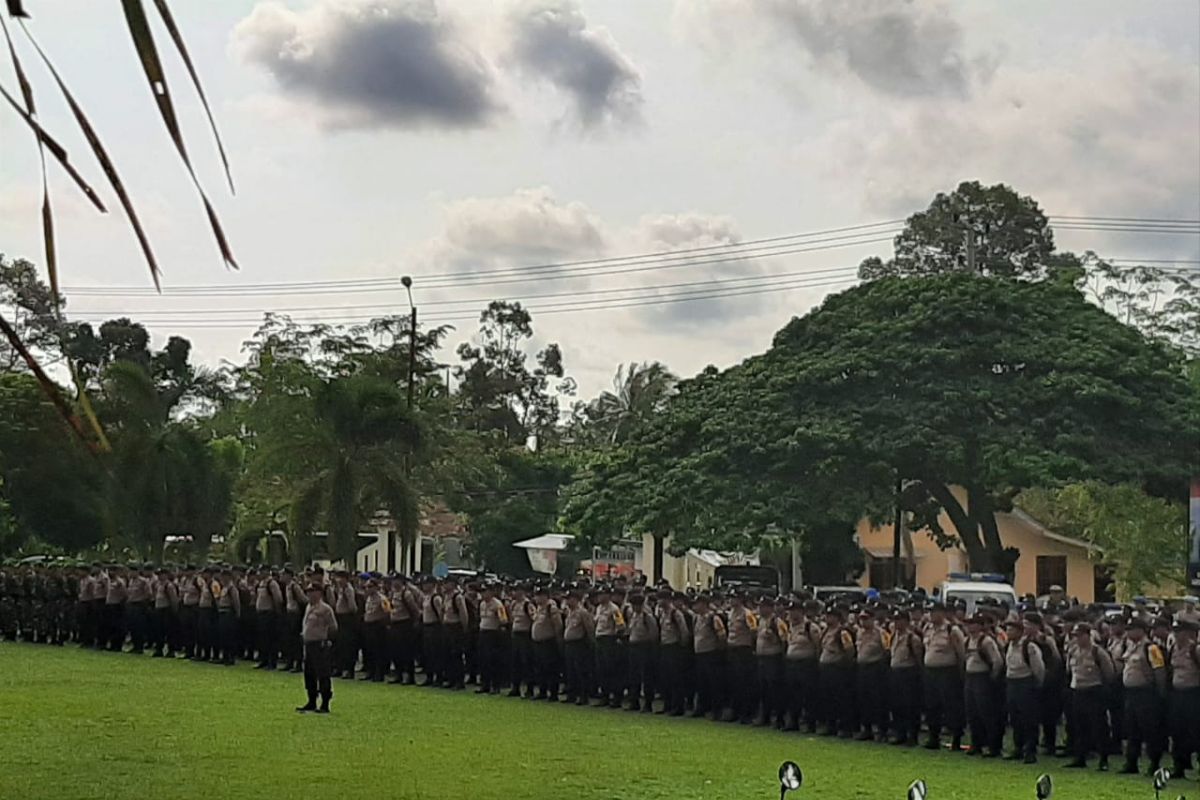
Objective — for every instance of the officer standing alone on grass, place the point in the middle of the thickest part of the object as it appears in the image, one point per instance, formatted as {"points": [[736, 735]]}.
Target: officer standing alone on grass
{"points": [[318, 631]]}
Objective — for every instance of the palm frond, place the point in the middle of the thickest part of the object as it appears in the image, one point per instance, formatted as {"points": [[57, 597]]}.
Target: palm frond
{"points": [[143, 41]]}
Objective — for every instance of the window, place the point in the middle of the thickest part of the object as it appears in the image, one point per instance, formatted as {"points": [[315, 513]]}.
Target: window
{"points": [[1051, 571]]}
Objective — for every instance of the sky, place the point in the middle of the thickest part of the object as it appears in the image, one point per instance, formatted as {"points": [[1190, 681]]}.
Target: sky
{"points": [[371, 139]]}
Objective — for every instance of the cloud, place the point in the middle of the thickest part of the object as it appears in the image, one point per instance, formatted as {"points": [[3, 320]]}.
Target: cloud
{"points": [[551, 41], [899, 48], [1111, 133], [373, 63], [529, 226]]}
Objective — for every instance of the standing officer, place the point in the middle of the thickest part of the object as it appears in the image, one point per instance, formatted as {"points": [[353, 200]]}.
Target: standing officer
{"points": [[206, 615], [228, 602], [873, 646], [983, 667], [1183, 717], [1089, 671], [836, 674], [800, 665], [189, 602], [742, 629], [546, 633], [1024, 673], [346, 608], [455, 626], [643, 638], [674, 642], [431, 633], [318, 632], [579, 632], [114, 609], [87, 595], [268, 602], [708, 645], [402, 631], [904, 679], [137, 603], [1145, 682], [521, 670], [166, 608], [769, 643], [377, 608], [493, 617], [610, 627], [294, 601], [945, 653]]}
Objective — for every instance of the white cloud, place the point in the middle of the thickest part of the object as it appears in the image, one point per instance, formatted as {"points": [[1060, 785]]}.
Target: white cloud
{"points": [[551, 41], [1111, 133], [900, 48], [373, 63]]}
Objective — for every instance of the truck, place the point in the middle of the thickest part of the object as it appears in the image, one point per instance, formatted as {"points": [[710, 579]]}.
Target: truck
{"points": [[973, 587]]}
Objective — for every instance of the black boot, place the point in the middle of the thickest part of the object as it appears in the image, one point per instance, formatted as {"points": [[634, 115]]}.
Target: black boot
{"points": [[311, 705], [324, 709]]}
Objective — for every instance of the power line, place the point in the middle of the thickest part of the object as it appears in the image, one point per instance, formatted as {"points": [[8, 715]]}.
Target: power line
{"points": [[476, 301], [578, 306]]}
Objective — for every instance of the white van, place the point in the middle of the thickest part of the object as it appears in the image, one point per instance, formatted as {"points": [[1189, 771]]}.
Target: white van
{"points": [[974, 587]]}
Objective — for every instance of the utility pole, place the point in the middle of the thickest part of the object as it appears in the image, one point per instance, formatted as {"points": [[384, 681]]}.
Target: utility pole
{"points": [[970, 242]]}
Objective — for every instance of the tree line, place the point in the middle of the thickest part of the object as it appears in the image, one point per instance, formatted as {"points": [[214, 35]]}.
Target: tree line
{"points": [[1019, 372]]}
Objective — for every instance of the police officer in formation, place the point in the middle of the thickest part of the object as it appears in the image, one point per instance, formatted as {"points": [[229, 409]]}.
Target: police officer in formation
{"points": [[1000, 679]]}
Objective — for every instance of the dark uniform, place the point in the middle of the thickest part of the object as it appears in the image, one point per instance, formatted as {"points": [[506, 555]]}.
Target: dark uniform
{"points": [[318, 631], [1090, 672]]}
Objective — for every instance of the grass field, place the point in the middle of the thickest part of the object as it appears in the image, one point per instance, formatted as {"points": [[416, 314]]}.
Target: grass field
{"points": [[78, 724]]}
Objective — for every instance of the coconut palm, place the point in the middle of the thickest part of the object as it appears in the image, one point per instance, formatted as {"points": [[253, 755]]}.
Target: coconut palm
{"points": [[351, 448], [639, 392]]}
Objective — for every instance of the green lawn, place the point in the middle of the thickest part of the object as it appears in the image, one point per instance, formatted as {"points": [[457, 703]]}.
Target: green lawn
{"points": [[78, 724]]}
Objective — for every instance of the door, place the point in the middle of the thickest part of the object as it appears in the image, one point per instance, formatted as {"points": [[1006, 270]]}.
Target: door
{"points": [[1051, 571]]}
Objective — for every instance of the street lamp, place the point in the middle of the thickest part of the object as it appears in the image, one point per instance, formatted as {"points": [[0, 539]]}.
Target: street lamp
{"points": [[407, 283]]}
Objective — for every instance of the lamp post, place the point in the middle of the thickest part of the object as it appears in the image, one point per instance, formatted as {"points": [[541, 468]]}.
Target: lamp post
{"points": [[406, 281]]}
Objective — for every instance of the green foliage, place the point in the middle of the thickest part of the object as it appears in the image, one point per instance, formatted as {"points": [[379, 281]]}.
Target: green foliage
{"points": [[640, 390], [1011, 237], [1142, 538], [514, 498]]}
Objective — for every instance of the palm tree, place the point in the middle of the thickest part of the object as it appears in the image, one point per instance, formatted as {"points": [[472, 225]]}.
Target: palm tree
{"points": [[352, 450], [640, 391]]}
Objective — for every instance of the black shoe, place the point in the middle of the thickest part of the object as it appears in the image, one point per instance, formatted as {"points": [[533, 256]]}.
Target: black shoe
{"points": [[1030, 759], [306, 708], [1103, 764], [1128, 769], [1076, 763], [932, 744], [323, 709]]}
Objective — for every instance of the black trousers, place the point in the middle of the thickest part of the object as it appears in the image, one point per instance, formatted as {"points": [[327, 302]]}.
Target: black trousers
{"points": [[1089, 723], [769, 671], [346, 646], [375, 652], [521, 663], [318, 669], [545, 659], [710, 678], [402, 641], [228, 636], [800, 685], [608, 668], [741, 681], [206, 633], [491, 652], [1051, 709], [579, 660], [266, 624], [836, 682], [162, 630], [979, 701], [641, 674], [187, 630], [1143, 725], [454, 641], [1183, 720], [136, 620], [871, 688], [96, 623], [114, 626], [290, 644], [943, 701], [671, 676], [1021, 699], [431, 652], [904, 686]]}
